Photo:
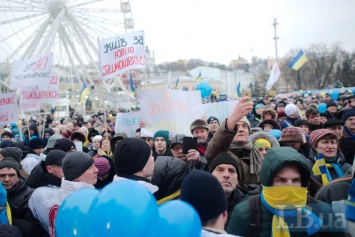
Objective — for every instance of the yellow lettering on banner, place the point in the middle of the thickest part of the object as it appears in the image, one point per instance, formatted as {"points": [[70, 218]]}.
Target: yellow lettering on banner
{"points": [[173, 126], [168, 107]]}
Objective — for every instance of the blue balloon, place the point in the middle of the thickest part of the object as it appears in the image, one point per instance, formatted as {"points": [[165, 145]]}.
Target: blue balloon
{"points": [[322, 107], [205, 89], [335, 95], [276, 133], [123, 208], [72, 213], [178, 218]]}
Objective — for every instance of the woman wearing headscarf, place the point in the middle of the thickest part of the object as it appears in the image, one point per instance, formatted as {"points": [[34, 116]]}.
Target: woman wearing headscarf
{"points": [[263, 141]]}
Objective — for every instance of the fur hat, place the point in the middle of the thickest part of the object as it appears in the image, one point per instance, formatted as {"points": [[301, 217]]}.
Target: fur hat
{"points": [[92, 133], [290, 109], [164, 134], [269, 111], [75, 164], [316, 135], [291, 134], [204, 192], [37, 143], [199, 123], [78, 136], [131, 155], [269, 122]]}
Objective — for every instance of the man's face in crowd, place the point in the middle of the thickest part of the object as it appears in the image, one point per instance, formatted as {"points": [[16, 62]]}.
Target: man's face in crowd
{"points": [[314, 119], [332, 109], [177, 149], [305, 129], [201, 134], [89, 176], [55, 170], [338, 130], [288, 176], [350, 123], [160, 144], [227, 176], [5, 137], [242, 135], [323, 119], [8, 177], [96, 143], [213, 126]]}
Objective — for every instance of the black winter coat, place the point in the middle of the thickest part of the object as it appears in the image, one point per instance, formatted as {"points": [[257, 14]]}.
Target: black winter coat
{"points": [[39, 177]]}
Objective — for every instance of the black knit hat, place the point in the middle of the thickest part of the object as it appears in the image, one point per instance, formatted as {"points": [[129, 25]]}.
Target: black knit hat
{"points": [[223, 158], [6, 133], [64, 144], [55, 157], [348, 114], [204, 192], [131, 155], [10, 162], [75, 164], [199, 123], [331, 103], [37, 143], [332, 122], [13, 152]]}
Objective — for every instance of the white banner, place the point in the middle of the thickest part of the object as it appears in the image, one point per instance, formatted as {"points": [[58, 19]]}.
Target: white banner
{"points": [[47, 92], [8, 113], [121, 53], [128, 123], [30, 106], [169, 110], [35, 71], [220, 110]]}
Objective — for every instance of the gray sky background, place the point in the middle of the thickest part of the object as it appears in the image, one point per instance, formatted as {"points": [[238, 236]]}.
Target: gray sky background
{"points": [[219, 31]]}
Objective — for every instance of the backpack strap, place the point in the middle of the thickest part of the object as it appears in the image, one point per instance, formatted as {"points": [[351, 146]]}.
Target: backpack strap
{"points": [[254, 215]]}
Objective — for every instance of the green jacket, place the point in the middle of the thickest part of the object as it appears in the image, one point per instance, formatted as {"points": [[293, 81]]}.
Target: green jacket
{"points": [[275, 159]]}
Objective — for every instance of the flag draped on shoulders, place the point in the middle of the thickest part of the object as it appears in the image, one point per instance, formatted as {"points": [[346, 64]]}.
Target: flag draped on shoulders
{"points": [[274, 76], [83, 93], [298, 61]]}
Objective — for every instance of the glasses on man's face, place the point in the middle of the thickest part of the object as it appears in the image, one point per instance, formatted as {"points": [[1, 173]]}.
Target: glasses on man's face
{"points": [[176, 148]]}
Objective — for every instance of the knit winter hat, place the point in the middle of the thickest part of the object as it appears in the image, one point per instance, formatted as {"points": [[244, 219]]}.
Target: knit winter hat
{"points": [[290, 109], [55, 157], [245, 120], [224, 158], [10, 162], [102, 165], [52, 140], [259, 106], [75, 164], [37, 143], [164, 134], [199, 123], [316, 135], [262, 143], [64, 144], [13, 152], [6, 133], [131, 155], [204, 192], [210, 119], [331, 103], [97, 137], [291, 134], [348, 114], [281, 114]]}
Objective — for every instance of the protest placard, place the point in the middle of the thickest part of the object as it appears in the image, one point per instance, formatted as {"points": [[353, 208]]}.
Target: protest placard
{"points": [[127, 123], [169, 110], [35, 71], [8, 111], [121, 53], [220, 110]]}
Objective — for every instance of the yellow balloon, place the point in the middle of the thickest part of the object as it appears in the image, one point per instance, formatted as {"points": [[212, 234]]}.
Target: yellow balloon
{"points": [[343, 87], [301, 91], [322, 93]]}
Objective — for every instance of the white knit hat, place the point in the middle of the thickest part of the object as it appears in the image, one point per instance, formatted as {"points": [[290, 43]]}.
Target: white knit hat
{"points": [[290, 109], [97, 137]]}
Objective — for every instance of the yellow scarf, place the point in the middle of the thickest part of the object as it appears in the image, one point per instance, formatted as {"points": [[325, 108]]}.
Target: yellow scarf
{"points": [[282, 198]]}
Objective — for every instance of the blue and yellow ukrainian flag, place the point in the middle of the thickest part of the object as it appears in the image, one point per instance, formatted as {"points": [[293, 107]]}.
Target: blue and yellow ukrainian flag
{"points": [[199, 78], [83, 93], [177, 84], [298, 61], [131, 81], [238, 93]]}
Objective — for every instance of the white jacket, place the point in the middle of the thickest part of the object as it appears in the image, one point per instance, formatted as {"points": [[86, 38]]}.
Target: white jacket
{"points": [[210, 232], [30, 161], [45, 201], [151, 187]]}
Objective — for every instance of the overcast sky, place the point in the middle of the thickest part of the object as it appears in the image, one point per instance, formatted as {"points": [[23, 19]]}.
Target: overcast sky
{"points": [[219, 31]]}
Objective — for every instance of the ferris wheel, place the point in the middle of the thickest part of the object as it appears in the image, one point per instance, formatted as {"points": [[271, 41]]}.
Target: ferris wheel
{"points": [[68, 28]]}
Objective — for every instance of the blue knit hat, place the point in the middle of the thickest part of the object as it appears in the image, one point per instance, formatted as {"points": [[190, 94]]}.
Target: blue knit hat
{"points": [[348, 114], [164, 134], [37, 143]]}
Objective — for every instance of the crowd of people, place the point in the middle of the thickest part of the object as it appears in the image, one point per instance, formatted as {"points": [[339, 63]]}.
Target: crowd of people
{"points": [[274, 167]]}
